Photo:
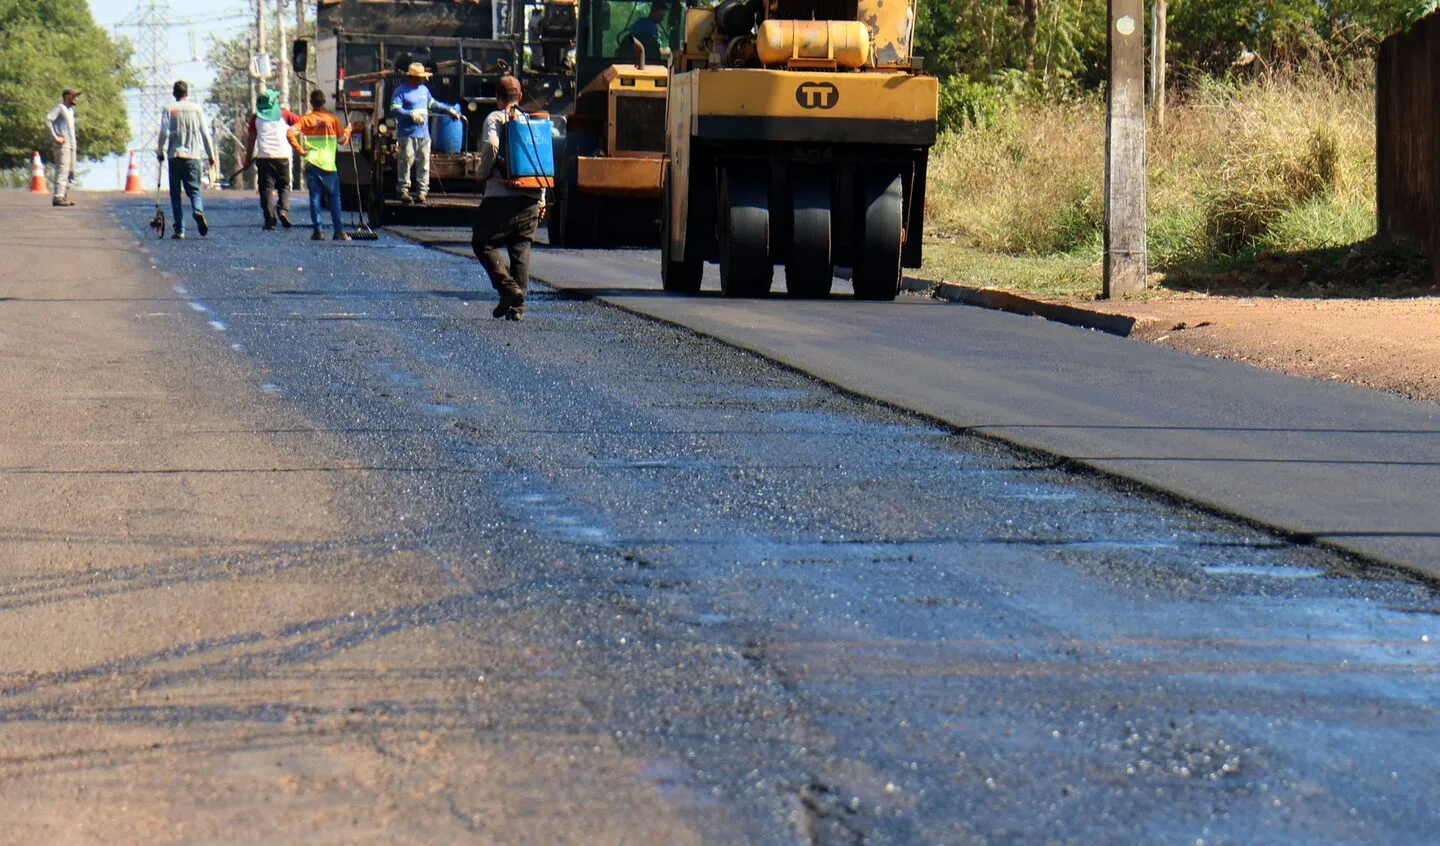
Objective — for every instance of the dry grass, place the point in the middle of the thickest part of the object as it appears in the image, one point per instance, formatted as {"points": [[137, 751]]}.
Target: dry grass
{"points": [[1237, 171]]}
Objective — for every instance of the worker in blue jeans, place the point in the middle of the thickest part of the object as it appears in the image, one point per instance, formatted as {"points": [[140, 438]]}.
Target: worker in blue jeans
{"points": [[186, 142], [317, 136]]}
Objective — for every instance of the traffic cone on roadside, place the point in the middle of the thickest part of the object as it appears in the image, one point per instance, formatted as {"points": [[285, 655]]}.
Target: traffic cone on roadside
{"points": [[37, 176], [132, 176]]}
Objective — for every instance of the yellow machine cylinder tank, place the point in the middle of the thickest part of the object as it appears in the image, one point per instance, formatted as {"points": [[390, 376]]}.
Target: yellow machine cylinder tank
{"points": [[845, 42]]}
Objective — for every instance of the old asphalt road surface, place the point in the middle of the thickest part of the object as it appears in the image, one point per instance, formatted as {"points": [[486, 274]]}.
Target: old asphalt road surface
{"points": [[299, 545], [1332, 464]]}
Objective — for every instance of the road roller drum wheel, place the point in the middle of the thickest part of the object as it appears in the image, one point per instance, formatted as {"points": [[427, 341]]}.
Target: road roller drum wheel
{"points": [[810, 270], [877, 265], [680, 276], [745, 266]]}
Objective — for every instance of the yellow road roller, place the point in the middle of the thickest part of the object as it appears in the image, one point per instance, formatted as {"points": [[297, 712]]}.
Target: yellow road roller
{"points": [[797, 134]]}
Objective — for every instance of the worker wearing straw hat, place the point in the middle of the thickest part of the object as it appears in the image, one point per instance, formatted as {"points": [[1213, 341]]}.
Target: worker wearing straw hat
{"points": [[410, 105]]}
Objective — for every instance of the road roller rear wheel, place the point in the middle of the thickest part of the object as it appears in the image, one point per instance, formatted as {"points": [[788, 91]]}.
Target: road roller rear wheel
{"points": [[810, 270], [877, 265], [680, 276], [745, 266]]}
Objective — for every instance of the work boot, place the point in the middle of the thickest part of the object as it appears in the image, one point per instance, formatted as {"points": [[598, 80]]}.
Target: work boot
{"points": [[62, 202], [285, 219], [269, 225], [317, 235], [405, 198], [419, 199], [509, 303], [200, 224], [340, 236], [516, 313]]}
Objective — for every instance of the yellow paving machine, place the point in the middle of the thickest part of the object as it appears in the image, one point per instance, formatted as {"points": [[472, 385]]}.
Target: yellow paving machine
{"points": [[609, 160], [797, 134]]}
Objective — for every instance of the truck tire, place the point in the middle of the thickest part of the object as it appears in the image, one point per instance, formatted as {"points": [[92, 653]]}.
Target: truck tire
{"points": [[877, 264], [746, 269]]}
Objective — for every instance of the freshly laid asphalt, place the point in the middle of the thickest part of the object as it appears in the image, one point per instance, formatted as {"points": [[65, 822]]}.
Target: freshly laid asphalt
{"points": [[1345, 467]]}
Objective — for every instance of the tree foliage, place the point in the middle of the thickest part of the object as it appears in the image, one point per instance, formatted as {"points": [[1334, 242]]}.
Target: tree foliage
{"points": [[1052, 46], [45, 47], [230, 92]]}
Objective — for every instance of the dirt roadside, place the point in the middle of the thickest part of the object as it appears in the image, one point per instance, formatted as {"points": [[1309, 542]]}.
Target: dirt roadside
{"points": [[1389, 345], [201, 603]]}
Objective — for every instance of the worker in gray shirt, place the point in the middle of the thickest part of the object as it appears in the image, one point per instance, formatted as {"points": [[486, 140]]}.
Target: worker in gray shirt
{"points": [[186, 141], [61, 123]]}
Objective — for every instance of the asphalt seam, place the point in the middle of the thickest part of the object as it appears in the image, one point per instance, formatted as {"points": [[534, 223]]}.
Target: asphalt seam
{"points": [[1008, 301]]}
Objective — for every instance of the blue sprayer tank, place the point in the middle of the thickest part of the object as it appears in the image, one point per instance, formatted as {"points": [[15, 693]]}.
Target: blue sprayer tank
{"points": [[447, 134], [529, 151]]}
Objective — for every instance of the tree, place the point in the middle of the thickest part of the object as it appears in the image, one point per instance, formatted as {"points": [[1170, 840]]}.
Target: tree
{"points": [[49, 45], [1209, 35], [1053, 46], [230, 93], [1053, 43]]}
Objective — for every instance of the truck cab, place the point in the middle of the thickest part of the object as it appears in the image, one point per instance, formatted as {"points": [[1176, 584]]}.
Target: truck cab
{"points": [[361, 50]]}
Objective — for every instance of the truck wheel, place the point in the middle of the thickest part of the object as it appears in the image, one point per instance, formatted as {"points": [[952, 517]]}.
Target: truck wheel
{"points": [[555, 229], [575, 219], [810, 270], [681, 276], [377, 208], [877, 264], [745, 266]]}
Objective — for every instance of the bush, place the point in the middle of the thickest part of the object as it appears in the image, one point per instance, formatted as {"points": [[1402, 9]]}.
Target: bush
{"points": [[965, 104], [1237, 169]]}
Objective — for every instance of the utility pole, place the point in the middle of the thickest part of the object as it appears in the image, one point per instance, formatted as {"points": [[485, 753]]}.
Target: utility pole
{"points": [[300, 92], [282, 54], [1158, 62], [254, 83], [1126, 259], [262, 47]]}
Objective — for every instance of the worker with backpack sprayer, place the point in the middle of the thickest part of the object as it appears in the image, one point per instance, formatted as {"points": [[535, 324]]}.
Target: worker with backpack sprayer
{"points": [[515, 150]]}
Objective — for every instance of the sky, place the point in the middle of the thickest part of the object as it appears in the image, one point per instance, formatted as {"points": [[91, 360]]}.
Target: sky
{"points": [[188, 43]]}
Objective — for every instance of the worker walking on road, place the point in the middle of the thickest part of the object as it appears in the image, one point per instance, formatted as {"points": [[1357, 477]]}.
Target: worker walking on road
{"points": [[269, 148], [186, 141], [410, 105], [317, 136], [61, 123], [507, 218]]}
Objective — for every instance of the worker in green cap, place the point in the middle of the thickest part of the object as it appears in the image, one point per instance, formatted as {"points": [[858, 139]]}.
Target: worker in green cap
{"points": [[269, 149]]}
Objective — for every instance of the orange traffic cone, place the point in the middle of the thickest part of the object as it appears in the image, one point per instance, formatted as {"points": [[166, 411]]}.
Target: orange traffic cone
{"points": [[132, 176], [37, 176]]}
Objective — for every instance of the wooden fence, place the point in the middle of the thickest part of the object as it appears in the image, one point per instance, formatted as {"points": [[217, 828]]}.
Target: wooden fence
{"points": [[1407, 96]]}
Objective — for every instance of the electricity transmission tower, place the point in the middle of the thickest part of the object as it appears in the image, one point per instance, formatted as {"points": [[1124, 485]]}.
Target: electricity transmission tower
{"points": [[152, 48]]}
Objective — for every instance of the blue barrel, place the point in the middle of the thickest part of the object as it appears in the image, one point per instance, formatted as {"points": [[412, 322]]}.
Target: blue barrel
{"points": [[447, 134]]}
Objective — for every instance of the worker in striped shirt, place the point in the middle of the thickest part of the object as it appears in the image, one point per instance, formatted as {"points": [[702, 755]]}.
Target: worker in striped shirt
{"points": [[317, 136]]}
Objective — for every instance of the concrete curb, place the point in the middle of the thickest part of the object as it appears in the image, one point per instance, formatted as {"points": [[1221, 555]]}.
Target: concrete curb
{"points": [[1115, 324]]}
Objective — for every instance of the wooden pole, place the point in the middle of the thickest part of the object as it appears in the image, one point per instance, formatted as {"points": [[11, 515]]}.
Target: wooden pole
{"points": [[1126, 264], [1158, 62]]}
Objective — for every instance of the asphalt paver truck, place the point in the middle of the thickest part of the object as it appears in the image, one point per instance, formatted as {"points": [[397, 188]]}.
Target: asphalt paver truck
{"points": [[797, 134], [362, 48]]}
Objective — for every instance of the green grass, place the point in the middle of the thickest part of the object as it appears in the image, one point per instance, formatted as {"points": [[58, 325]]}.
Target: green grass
{"points": [[1239, 173], [1056, 276]]}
